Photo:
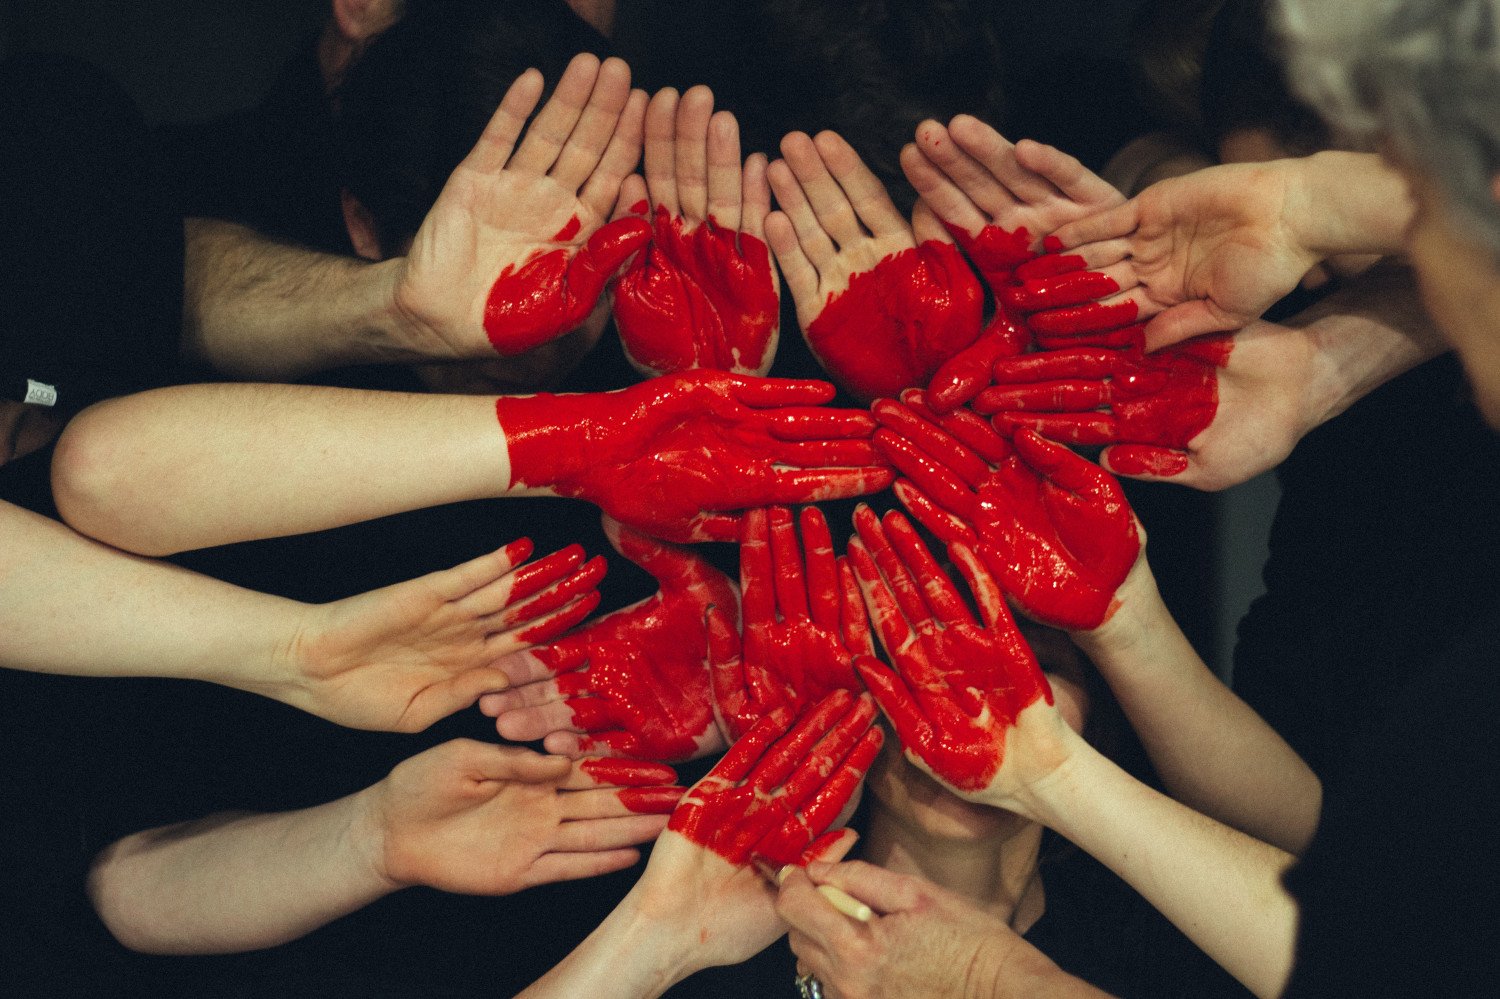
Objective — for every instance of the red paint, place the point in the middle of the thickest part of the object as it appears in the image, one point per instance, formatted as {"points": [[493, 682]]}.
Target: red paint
{"points": [[1054, 529], [796, 610], [1049, 265], [1158, 403], [680, 456], [640, 207], [957, 685], [551, 292], [526, 580], [897, 323], [1072, 288], [1094, 317], [567, 232], [611, 771], [637, 680], [780, 787], [699, 298], [651, 800]]}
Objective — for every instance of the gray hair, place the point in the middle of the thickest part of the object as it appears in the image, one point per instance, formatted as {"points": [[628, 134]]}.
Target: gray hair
{"points": [[1424, 75]]}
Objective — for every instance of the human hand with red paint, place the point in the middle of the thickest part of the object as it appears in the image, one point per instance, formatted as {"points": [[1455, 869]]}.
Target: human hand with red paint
{"points": [[700, 902], [399, 658], [516, 250], [704, 293], [1210, 251], [804, 622], [1054, 529], [483, 819], [634, 682], [999, 200], [881, 304], [681, 456]]}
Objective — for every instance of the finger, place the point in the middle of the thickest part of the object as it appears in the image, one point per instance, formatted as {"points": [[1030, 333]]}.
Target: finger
{"points": [[604, 771], [463, 580], [608, 803], [896, 702], [781, 760], [757, 584], [492, 762], [1053, 365], [861, 190], [824, 208], [1185, 321], [941, 596], [755, 200], [584, 149], [551, 868], [814, 242], [797, 486], [1143, 461], [821, 568], [940, 522], [946, 200], [801, 276], [742, 757], [549, 131], [1094, 317], [988, 596], [818, 800], [1112, 223], [937, 482], [633, 201], [498, 140], [545, 596], [605, 185], [904, 423], [590, 835], [985, 169], [1077, 182], [766, 393], [786, 561], [439, 700], [694, 111], [660, 147], [542, 629], [1068, 470], [882, 890], [602, 257], [854, 621], [675, 568], [820, 423], [885, 612], [1075, 428], [1064, 290], [1045, 397], [725, 180], [527, 723], [972, 431]]}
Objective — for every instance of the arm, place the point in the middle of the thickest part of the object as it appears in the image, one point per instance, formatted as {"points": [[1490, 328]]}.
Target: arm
{"points": [[678, 456], [398, 658], [974, 711], [463, 816], [705, 292], [514, 253], [699, 902]]}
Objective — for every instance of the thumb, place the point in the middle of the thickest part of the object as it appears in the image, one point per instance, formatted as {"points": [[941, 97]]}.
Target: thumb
{"points": [[453, 694], [603, 254]]}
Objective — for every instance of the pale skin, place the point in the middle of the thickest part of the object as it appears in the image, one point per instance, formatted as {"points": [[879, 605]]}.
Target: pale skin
{"points": [[394, 659], [464, 816]]}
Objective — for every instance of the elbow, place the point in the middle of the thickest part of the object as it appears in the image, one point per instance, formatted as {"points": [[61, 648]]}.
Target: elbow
{"points": [[119, 907], [99, 477]]}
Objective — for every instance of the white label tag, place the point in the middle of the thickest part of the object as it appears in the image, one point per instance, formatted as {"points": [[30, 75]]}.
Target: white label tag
{"points": [[40, 393]]}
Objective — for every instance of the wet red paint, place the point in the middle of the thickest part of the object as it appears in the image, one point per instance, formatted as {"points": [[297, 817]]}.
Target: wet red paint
{"points": [[651, 800], [699, 298], [1094, 317], [552, 291], [1068, 289], [682, 455], [782, 786], [974, 678], [568, 231], [640, 207], [1156, 403], [616, 772], [1054, 529], [897, 323], [636, 680]]}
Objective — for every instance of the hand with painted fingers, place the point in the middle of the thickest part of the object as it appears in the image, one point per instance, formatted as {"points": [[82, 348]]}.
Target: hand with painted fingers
{"points": [[517, 249], [999, 200], [924, 942], [633, 683], [1210, 251], [882, 305], [1054, 528], [772, 800], [704, 293], [482, 819], [682, 456], [804, 622], [958, 687], [400, 658]]}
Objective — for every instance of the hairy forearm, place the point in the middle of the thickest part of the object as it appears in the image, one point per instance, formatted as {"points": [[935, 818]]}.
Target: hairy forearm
{"points": [[255, 308], [1212, 752], [1219, 886], [198, 465], [236, 882]]}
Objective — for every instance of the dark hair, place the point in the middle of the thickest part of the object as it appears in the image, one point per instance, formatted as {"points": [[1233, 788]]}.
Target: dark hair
{"points": [[415, 102], [1168, 39], [1244, 83]]}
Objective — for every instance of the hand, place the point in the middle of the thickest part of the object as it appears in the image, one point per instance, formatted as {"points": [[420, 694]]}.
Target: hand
{"points": [[399, 658], [1055, 529], [632, 683], [680, 456], [958, 687], [999, 200], [705, 293], [483, 819], [515, 252], [1150, 407], [924, 942], [801, 654], [880, 310]]}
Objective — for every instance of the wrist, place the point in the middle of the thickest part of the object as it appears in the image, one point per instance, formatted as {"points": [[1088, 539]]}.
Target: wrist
{"points": [[1344, 202], [366, 843], [554, 441]]}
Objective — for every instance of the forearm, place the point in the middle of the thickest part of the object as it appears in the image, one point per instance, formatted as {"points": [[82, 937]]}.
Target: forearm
{"points": [[1348, 203], [1221, 887], [1211, 751], [255, 308], [236, 882], [199, 465]]}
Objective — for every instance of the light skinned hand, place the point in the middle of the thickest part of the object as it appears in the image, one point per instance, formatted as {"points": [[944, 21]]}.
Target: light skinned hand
{"points": [[516, 250], [401, 657]]}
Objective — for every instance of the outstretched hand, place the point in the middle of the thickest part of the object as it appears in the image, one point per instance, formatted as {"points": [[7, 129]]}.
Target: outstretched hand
{"points": [[483, 819], [804, 621], [705, 293], [516, 250], [882, 307], [634, 682], [1054, 529], [999, 200], [401, 657], [682, 456]]}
